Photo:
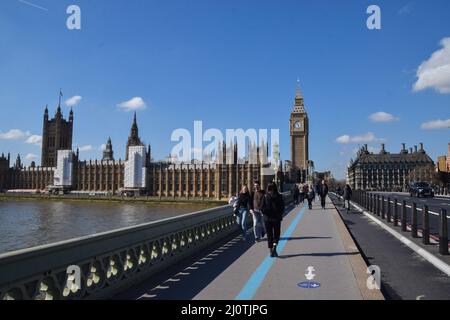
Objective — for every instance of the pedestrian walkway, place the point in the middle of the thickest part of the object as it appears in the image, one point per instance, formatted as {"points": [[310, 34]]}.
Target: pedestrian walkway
{"points": [[313, 242]]}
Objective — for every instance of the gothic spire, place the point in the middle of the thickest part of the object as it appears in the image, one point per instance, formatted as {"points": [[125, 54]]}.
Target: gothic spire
{"points": [[59, 102], [299, 106], [133, 139], [134, 133], [299, 93], [108, 153], [18, 162]]}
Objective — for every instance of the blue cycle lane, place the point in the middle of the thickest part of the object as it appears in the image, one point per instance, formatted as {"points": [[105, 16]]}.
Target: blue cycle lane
{"points": [[252, 285]]}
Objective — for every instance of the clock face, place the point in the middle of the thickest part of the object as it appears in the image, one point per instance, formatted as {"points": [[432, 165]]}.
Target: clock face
{"points": [[298, 125]]}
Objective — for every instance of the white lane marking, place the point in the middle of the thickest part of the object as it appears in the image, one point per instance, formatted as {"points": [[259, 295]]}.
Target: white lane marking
{"points": [[438, 263], [418, 209]]}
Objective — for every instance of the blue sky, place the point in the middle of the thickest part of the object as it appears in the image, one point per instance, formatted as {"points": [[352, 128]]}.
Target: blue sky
{"points": [[231, 64]]}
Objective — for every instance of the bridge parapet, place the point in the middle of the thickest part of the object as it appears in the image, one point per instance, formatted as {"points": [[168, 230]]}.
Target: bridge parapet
{"points": [[112, 261]]}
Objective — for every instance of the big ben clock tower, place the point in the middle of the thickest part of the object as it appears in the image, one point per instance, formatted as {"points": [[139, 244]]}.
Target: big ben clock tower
{"points": [[299, 129]]}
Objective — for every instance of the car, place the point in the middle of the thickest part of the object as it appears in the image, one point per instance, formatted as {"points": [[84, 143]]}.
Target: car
{"points": [[421, 189]]}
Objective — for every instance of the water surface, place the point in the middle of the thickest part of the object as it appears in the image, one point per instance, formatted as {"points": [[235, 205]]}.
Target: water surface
{"points": [[29, 223]]}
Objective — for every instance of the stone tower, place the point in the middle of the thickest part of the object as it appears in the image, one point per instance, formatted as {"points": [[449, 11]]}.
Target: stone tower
{"points": [[56, 135], [299, 132], [133, 139], [108, 153]]}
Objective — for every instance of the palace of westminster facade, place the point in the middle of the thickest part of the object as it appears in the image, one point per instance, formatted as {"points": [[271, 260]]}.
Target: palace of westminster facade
{"points": [[215, 180], [209, 180]]}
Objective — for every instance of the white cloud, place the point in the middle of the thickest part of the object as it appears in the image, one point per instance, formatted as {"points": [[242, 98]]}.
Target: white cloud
{"points": [[435, 72], [383, 117], [436, 124], [102, 147], [34, 139], [73, 101], [14, 134], [86, 148], [136, 103], [31, 157], [345, 139]]}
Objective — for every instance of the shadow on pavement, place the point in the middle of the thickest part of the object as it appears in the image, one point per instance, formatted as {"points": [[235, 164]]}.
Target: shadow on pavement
{"points": [[303, 238], [187, 278], [324, 254]]}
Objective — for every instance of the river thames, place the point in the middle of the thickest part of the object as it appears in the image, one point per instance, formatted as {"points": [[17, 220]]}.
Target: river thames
{"points": [[29, 223]]}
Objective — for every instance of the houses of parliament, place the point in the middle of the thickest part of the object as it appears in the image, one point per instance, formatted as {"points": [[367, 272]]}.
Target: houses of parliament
{"points": [[213, 180]]}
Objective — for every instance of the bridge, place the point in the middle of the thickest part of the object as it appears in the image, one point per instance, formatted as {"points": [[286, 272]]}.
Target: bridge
{"points": [[202, 255]]}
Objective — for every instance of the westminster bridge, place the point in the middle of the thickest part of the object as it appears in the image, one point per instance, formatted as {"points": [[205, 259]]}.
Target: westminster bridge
{"points": [[202, 255]]}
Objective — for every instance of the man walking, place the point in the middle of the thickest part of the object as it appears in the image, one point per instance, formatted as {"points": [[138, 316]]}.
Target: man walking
{"points": [[311, 196], [323, 194], [347, 196]]}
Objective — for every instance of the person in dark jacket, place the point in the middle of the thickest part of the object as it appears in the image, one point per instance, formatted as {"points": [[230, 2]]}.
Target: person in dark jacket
{"points": [[243, 208], [310, 195], [339, 190], [296, 194], [273, 209], [316, 190], [323, 194], [257, 197], [347, 195]]}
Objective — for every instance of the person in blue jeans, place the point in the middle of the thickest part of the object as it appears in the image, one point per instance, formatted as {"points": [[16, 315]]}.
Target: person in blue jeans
{"points": [[243, 208], [257, 196]]}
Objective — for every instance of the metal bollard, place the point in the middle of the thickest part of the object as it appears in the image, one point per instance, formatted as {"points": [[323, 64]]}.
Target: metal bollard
{"points": [[389, 209], [414, 220], [375, 205], [378, 205], [395, 212], [366, 199], [443, 233], [404, 215], [383, 214], [426, 226]]}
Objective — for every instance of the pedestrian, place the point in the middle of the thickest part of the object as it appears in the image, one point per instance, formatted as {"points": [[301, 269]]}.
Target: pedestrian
{"points": [[311, 196], [323, 194], [339, 190], [257, 197], [243, 205], [273, 208], [305, 191], [296, 194], [302, 193], [317, 190], [347, 195]]}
